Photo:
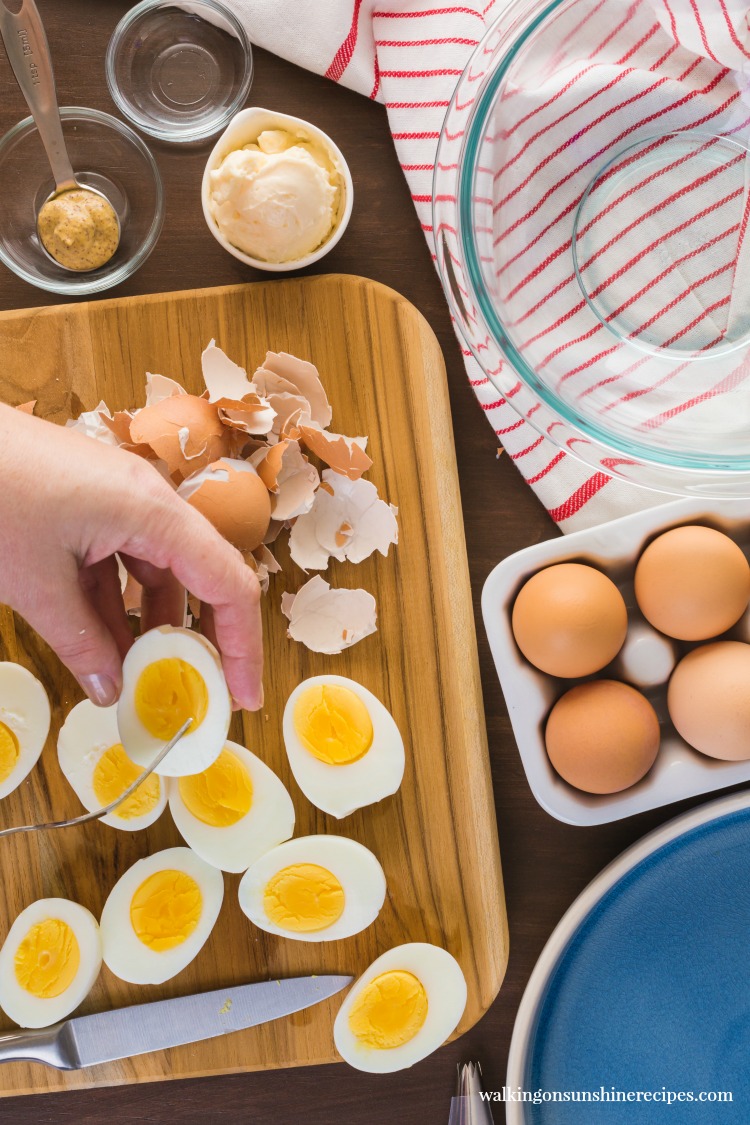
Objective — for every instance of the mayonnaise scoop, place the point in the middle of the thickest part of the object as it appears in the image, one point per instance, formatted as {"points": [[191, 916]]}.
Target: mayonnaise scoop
{"points": [[276, 199]]}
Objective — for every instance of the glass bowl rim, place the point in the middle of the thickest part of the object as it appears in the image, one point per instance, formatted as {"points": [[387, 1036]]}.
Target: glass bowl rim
{"points": [[124, 271], [176, 134], [511, 41]]}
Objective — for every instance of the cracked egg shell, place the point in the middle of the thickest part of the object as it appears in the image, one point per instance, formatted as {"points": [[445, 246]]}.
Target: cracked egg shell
{"points": [[183, 430], [231, 495]]}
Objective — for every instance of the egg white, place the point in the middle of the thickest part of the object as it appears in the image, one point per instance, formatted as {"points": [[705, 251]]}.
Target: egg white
{"points": [[340, 790], [197, 749], [269, 820], [124, 953], [87, 733], [35, 1011], [445, 985], [25, 709], [356, 868]]}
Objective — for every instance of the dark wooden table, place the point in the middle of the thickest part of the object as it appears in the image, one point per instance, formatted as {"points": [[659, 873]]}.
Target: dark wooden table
{"points": [[546, 864]]}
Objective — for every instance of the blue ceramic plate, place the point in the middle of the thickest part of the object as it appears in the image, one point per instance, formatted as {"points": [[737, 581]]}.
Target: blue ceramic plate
{"points": [[645, 985]]}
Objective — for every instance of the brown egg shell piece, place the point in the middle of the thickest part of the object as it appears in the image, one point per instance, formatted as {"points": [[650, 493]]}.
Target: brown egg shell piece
{"points": [[185, 431], [342, 454], [289, 477], [328, 620], [301, 378]]}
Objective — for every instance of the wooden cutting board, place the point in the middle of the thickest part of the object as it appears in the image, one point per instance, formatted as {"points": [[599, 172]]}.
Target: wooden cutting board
{"points": [[436, 838]]}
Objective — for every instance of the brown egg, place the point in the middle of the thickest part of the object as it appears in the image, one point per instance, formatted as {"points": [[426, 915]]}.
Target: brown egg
{"points": [[692, 583], [569, 620], [602, 736], [709, 699], [233, 497]]}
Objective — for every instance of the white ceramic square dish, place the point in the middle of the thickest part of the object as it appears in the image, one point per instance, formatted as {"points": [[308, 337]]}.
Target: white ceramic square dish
{"points": [[679, 771]]}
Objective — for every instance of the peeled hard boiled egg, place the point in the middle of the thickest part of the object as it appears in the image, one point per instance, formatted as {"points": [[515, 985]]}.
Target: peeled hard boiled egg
{"points": [[49, 962], [233, 812], [314, 888], [569, 620], [169, 676], [709, 700], [692, 583], [159, 915], [94, 762], [344, 747], [602, 736], [401, 1009], [24, 724]]}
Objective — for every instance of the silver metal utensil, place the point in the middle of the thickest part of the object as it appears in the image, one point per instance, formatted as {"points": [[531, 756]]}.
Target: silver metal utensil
{"points": [[89, 1040], [468, 1107], [29, 55], [97, 814]]}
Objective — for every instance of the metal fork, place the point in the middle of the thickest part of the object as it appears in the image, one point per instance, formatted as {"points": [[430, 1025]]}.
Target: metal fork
{"points": [[86, 817]]}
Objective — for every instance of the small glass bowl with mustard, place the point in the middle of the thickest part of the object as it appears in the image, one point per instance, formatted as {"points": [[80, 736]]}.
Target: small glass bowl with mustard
{"points": [[277, 192], [106, 156]]}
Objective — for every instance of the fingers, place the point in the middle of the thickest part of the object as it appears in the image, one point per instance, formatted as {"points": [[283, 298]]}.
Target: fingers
{"points": [[162, 597], [178, 538], [101, 585], [68, 622]]}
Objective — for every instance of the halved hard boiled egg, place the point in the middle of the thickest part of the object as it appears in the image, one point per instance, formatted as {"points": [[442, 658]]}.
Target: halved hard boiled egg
{"points": [[233, 812], [344, 747], [49, 962], [314, 888], [24, 724], [401, 1009], [171, 675], [159, 915], [95, 763]]}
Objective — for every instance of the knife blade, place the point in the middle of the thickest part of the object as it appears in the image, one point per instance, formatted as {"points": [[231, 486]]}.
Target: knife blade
{"points": [[89, 1040]]}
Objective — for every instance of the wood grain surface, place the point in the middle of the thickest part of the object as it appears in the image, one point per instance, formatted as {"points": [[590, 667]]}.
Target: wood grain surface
{"points": [[545, 863], [436, 839]]}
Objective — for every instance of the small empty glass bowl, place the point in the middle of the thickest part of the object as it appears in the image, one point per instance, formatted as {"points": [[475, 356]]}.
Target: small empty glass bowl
{"points": [[106, 154], [179, 71]]}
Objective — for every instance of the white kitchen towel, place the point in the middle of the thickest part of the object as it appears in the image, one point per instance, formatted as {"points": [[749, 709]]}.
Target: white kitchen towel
{"points": [[409, 55]]}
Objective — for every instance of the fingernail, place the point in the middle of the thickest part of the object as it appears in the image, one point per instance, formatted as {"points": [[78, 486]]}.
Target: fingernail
{"points": [[261, 697], [100, 689]]}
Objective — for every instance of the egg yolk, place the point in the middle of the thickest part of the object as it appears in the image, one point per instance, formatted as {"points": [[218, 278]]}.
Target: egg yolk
{"points": [[165, 909], [389, 1011], [47, 960], [221, 795], [304, 898], [113, 774], [333, 723], [168, 693], [9, 751]]}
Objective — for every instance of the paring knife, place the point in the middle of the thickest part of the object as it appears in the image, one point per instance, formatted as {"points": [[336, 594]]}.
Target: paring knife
{"points": [[89, 1040]]}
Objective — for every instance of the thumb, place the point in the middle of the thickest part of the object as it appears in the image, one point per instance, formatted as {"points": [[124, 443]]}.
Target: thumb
{"points": [[70, 625]]}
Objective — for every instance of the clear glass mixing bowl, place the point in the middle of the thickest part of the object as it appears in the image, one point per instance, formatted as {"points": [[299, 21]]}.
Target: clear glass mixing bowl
{"points": [[591, 206]]}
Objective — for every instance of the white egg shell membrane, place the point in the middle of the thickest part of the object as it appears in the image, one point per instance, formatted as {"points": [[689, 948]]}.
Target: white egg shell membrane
{"points": [[269, 821], [25, 709], [339, 790], [197, 749], [445, 985], [356, 868], [87, 733], [26, 1009], [124, 952]]}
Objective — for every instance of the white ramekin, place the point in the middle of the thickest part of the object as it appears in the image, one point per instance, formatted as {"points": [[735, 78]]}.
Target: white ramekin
{"points": [[242, 130]]}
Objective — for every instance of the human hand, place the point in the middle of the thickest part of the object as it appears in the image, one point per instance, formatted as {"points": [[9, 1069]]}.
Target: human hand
{"points": [[67, 505]]}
